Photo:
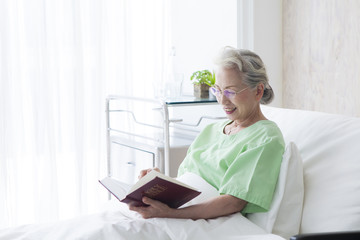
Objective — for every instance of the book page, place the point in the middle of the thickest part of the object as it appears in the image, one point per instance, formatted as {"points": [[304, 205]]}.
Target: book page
{"points": [[117, 188], [151, 175]]}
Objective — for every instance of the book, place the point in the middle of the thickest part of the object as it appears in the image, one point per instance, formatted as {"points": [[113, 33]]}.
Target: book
{"points": [[154, 185]]}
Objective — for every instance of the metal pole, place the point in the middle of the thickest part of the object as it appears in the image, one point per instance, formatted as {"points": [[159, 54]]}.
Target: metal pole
{"points": [[166, 139], [108, 143]]}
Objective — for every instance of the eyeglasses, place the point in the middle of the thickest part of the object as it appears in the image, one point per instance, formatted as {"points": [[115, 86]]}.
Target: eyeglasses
{"points": [[228, 93]]}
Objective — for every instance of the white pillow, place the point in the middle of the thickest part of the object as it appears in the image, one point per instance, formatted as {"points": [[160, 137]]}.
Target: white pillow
{"points": [[284, 216], [207, 191]]}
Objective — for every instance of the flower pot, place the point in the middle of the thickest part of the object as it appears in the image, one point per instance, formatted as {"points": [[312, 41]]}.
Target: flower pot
{"points": [[201, 90]]}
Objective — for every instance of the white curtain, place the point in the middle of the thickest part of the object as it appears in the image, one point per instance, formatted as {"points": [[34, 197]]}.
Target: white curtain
{"points": [[58, 62]]}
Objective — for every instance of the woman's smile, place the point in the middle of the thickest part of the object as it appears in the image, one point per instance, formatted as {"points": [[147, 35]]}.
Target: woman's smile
{"points": [[229, 110]]}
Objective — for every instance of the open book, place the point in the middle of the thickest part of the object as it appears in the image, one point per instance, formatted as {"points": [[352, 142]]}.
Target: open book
{"points": [[154, 185]]}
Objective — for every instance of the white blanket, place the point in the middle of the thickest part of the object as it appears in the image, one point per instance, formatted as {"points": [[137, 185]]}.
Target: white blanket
{"points": [[117, 222], [122, 224]]}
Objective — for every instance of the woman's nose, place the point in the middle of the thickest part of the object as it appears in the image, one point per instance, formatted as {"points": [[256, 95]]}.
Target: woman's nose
{"points": [[222, 99]]}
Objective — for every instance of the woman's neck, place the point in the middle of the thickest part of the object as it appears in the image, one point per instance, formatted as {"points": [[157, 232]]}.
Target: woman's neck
{"points": [[253, 117]]}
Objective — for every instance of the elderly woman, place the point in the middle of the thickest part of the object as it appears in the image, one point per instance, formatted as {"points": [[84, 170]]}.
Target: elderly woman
{"points": [[240, 157]]}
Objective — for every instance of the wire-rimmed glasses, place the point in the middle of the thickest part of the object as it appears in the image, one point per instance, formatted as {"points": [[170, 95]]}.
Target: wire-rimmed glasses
{"points": [[228, 93]]}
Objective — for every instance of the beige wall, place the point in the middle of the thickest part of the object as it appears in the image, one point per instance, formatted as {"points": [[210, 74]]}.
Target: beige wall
{"points": [[321, 55]]}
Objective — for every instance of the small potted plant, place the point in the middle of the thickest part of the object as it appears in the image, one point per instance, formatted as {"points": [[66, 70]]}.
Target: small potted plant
{"points": [[202, 81]]}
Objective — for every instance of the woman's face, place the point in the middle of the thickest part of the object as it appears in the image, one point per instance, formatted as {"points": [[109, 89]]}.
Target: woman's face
{"points": [[244, 103]]}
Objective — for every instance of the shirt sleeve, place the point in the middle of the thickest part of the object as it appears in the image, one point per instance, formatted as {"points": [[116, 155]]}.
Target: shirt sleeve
{"points": [[253, 175]]}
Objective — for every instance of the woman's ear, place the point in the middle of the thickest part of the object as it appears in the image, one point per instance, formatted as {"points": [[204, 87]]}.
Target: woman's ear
{"points": [[259, 91]]}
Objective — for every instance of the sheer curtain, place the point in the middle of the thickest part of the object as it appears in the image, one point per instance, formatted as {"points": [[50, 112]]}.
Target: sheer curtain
{"points": [[58, 62]]}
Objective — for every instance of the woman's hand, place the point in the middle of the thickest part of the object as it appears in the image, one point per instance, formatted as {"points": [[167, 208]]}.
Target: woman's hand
{"points": [[155, 209], [222, 205], [146, 171]]}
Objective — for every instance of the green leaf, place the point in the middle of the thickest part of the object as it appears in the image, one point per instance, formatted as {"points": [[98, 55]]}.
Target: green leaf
{"points": [[204, 76]]}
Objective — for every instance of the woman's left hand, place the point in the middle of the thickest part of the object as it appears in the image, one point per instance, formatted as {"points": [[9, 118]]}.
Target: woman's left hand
{"points": [[155, 209]]}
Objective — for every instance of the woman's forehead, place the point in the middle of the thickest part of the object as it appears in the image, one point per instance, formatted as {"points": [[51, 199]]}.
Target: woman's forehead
{"points": [[229, 77]]}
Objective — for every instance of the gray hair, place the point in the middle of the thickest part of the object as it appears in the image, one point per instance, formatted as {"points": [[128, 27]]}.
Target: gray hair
{"points": [[249, 63]]}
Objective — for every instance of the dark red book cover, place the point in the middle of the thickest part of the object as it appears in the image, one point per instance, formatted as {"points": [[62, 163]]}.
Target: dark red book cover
{"points": [[172, 194]]}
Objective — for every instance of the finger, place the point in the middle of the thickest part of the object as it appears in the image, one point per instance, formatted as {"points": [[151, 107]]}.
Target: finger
{"points": [[136, 209], [143, 173], [140, 211], [153, 203], [147, 200], [146, 171]]}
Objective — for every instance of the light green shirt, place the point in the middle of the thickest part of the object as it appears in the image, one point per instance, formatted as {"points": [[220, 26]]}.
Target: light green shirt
{"points": [[245, 165]]}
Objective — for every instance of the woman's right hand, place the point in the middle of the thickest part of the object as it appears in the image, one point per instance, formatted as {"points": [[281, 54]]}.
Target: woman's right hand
{"points": [[146, 171]]}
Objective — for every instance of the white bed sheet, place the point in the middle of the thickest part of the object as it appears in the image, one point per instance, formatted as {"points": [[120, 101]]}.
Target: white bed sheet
{"points": [[120, 223], [116, 221]]}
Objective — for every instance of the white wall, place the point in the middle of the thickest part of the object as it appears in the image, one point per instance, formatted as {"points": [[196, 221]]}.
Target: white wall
{"points": [[260, 30], [200, 28]]}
